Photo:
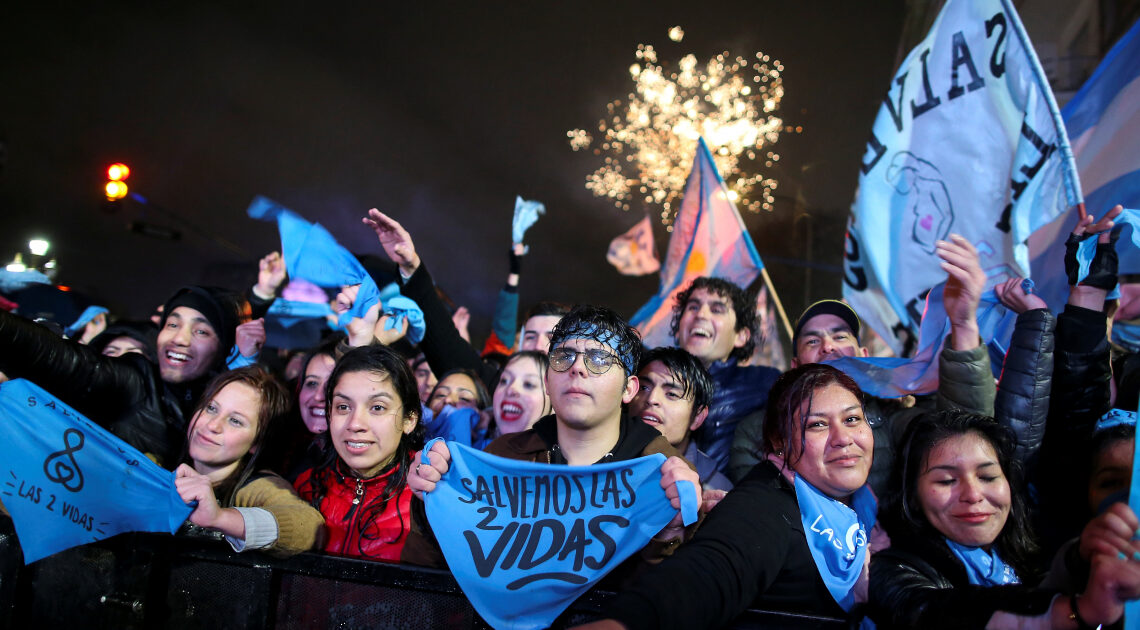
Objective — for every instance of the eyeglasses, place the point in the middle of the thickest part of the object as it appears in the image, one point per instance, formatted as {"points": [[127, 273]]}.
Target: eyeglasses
{"points": [[596, 360]]}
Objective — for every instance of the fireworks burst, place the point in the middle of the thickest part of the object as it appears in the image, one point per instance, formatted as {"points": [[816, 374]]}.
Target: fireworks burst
{"points": [[649, 141]]}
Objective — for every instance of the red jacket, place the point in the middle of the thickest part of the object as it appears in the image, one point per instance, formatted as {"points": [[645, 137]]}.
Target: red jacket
{"points": [[349, 505]]}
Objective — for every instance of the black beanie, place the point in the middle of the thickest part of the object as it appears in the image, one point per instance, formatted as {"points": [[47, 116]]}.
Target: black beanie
{"points": [[219, 307]]}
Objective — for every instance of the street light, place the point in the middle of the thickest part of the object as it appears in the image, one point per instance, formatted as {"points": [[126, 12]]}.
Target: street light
{"points": [[38, 246], [17, 264]]}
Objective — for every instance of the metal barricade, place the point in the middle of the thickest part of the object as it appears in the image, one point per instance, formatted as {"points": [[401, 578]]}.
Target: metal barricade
{"points": [[157, 581]]}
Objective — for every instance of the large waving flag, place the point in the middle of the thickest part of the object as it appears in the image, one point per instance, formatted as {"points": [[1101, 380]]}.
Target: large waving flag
{"points": [[709, 239], [968, 140], [1103, 120], [632, 253], [68, 482]]}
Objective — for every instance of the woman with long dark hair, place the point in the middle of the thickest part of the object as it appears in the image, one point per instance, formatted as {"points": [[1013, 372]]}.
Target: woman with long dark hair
{"points": [[253, 508], [373, 413], [962, 554], [793, 535]]}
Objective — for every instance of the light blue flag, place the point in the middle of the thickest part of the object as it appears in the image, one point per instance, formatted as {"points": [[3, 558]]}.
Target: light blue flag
{"points": [[524, 540], [68, 481], [968, 140], [709, 239], [290, 313], [890, 377], [451, 424], [526, 215], [311, 253], [1103, 120], [88, 314], [401, 308]]}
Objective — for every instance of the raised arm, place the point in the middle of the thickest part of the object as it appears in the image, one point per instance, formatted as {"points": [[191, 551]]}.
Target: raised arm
{"points": [[965, 380], [444, 348], [1026, 378]]}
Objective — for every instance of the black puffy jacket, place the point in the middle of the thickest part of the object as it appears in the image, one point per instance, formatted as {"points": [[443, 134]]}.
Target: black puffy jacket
{"points": [[1079, 397], [124, 394], [1023, 392]]}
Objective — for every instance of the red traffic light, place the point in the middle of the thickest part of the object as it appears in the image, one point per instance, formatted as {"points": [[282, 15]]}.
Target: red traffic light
{"points": [[118, 172]]}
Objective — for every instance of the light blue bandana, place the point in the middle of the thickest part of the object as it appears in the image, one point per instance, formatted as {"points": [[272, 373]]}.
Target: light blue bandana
{"points": [[983, 568], [524, 540], [837, 537]]}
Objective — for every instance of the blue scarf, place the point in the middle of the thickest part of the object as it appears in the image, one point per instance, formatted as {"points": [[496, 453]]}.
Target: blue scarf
{"points": [[450, 424], [837, 537], [67, 481], [983, 568], [312, 254], [524, 540]]}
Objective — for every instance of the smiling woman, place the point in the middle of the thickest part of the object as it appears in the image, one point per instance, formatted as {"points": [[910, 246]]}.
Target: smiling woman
{"points": [[793, 535], [373, 413], [962, 555], [252, 508]]}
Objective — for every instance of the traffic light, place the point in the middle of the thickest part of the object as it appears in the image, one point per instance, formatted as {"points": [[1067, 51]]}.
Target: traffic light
{"points": [[116, 186]]}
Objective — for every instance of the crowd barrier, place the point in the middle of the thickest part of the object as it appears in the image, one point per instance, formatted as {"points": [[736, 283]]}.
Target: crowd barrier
{"points": [[159, 581]]}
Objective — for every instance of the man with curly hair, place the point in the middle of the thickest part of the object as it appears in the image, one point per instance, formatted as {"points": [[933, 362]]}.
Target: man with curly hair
{"points": [[715, 321]]}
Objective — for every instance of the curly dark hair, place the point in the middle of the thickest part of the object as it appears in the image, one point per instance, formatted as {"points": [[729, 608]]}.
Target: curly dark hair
{"points": [[743, 304], [904, 515], [688, 371], [390, 364], [603, 325]]}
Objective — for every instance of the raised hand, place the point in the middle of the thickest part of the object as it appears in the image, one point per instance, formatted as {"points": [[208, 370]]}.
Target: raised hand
{"points": [[963, 291], [359, 329], [249, 337], [395, 240], [270, 276], [461, 319], [1012, 294]]}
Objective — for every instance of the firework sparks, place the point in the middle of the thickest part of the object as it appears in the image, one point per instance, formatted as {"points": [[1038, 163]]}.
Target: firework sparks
{"points": [[648, 142]]}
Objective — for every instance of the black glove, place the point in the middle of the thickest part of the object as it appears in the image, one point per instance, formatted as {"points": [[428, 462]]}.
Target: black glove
{"points": [[1102, 270]]}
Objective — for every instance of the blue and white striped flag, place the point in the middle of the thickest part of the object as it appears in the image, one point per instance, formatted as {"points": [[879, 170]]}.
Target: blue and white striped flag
{"points": [[1103, 119]]}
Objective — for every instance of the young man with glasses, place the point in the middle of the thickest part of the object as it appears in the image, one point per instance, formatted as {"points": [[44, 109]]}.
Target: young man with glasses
{"points": [[590, 380]]}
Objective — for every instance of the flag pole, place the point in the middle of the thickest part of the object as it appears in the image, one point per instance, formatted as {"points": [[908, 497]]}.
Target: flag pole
{"points": [[776, 299]]}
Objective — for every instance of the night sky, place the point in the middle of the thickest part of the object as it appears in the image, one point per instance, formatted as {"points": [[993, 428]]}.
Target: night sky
{"points": [[437, 114]]}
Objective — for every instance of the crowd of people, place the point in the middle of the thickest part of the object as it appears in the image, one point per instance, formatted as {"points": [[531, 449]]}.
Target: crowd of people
{"points": [[992, 503]]}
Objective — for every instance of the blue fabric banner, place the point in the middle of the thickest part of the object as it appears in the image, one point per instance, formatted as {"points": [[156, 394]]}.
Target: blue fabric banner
{"points": [[88, 314], [67, 481], [891, 377], [526, 215], [311, 253], [524, 540]]}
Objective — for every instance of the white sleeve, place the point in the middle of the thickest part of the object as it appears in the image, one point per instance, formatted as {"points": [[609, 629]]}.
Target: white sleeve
{"points": [[260, 529]]}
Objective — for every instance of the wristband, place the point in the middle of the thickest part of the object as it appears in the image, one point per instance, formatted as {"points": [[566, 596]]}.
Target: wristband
{"points": [[515, 262], [1075, 615]]}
